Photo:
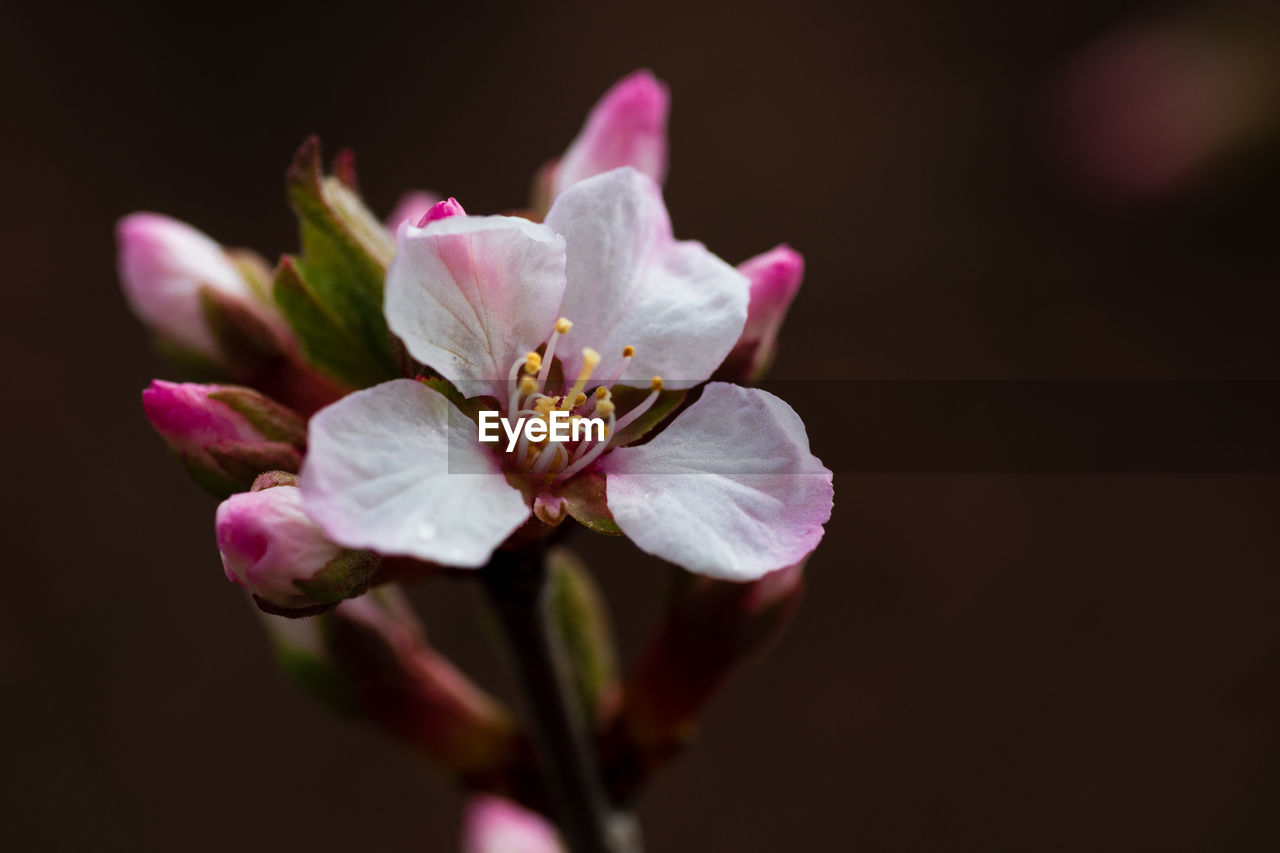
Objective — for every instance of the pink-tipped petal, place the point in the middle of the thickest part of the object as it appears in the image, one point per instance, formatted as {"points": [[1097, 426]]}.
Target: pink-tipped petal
{"points": [[728, 490], [627, 127], [775, 278], [632, 284], [494, 825], [411, 207], [397, 469], [469, 295], [442, 210], [163, 264]]}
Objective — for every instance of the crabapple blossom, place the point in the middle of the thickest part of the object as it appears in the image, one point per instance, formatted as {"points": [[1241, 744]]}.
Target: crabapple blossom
{"points": [[604, 291]]}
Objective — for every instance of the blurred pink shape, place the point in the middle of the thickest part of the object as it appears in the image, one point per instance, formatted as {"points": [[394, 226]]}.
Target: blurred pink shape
{"points": [[1144, 109], [495, 825]]}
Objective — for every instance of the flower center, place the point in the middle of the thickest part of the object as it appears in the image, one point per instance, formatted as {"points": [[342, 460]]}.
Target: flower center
{"points": [[530, 397]]}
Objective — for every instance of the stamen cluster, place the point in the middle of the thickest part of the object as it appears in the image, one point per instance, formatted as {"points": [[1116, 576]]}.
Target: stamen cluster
{"points": [[529, 398]]}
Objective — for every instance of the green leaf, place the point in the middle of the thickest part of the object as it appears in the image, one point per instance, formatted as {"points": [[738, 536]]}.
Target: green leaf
{"points": [[326, 342], [331, 293]]}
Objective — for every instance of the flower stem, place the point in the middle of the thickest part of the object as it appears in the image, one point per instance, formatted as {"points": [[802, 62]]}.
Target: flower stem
{"points": [[516, 582]]}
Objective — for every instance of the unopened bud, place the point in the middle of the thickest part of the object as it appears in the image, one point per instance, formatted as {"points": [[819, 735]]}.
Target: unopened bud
{"points": [[442, 210], [196, 298], [225, 435], [272, 548], [775, 278], [370, 658], [711, 629], [627, 127]]}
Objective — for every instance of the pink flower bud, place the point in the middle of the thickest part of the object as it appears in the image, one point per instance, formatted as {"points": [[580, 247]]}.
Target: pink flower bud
{"points": [[223, 434], [712, 628], [369, 657], [271, 547], [167, 268], [627, 127], [775, 279], [411, 207], [442, 210], [495, 825]]}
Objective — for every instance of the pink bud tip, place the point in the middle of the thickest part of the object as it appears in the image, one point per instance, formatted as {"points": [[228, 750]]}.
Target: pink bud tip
{"points": [[187, 418], [775, 277], [442, 210], [627, 127]]}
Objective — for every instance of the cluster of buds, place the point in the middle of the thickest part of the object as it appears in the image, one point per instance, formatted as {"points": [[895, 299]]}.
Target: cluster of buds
{"points": [[317, 532]]}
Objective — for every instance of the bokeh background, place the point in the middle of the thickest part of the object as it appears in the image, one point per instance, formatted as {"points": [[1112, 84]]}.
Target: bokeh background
{"points": [[990, 190]]}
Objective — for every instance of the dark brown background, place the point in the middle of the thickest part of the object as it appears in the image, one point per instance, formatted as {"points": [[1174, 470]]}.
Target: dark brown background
{"points": [[983, 662]]}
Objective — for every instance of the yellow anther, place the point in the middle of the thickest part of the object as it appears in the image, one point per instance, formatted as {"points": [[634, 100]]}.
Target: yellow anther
{"points": [[532, 362], [580, 399], [563, 325], [604, 408], [543, 405], [528, 385], [657, 383], [627, 352], [602, 393]]}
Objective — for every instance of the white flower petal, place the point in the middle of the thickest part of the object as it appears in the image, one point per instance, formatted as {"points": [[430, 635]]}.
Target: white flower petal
{"points": [[632, 284], [728, 490], [397, 469], [470, 294]]}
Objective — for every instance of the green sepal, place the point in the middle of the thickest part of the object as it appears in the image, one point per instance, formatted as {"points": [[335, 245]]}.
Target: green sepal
{"points": [[275, 422], [346, 576], [581, 620], [244, 341], [627, 398], [326, 341], [300, 651], [584, 499], [232, 466], [331, 293], [187, 362]]}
